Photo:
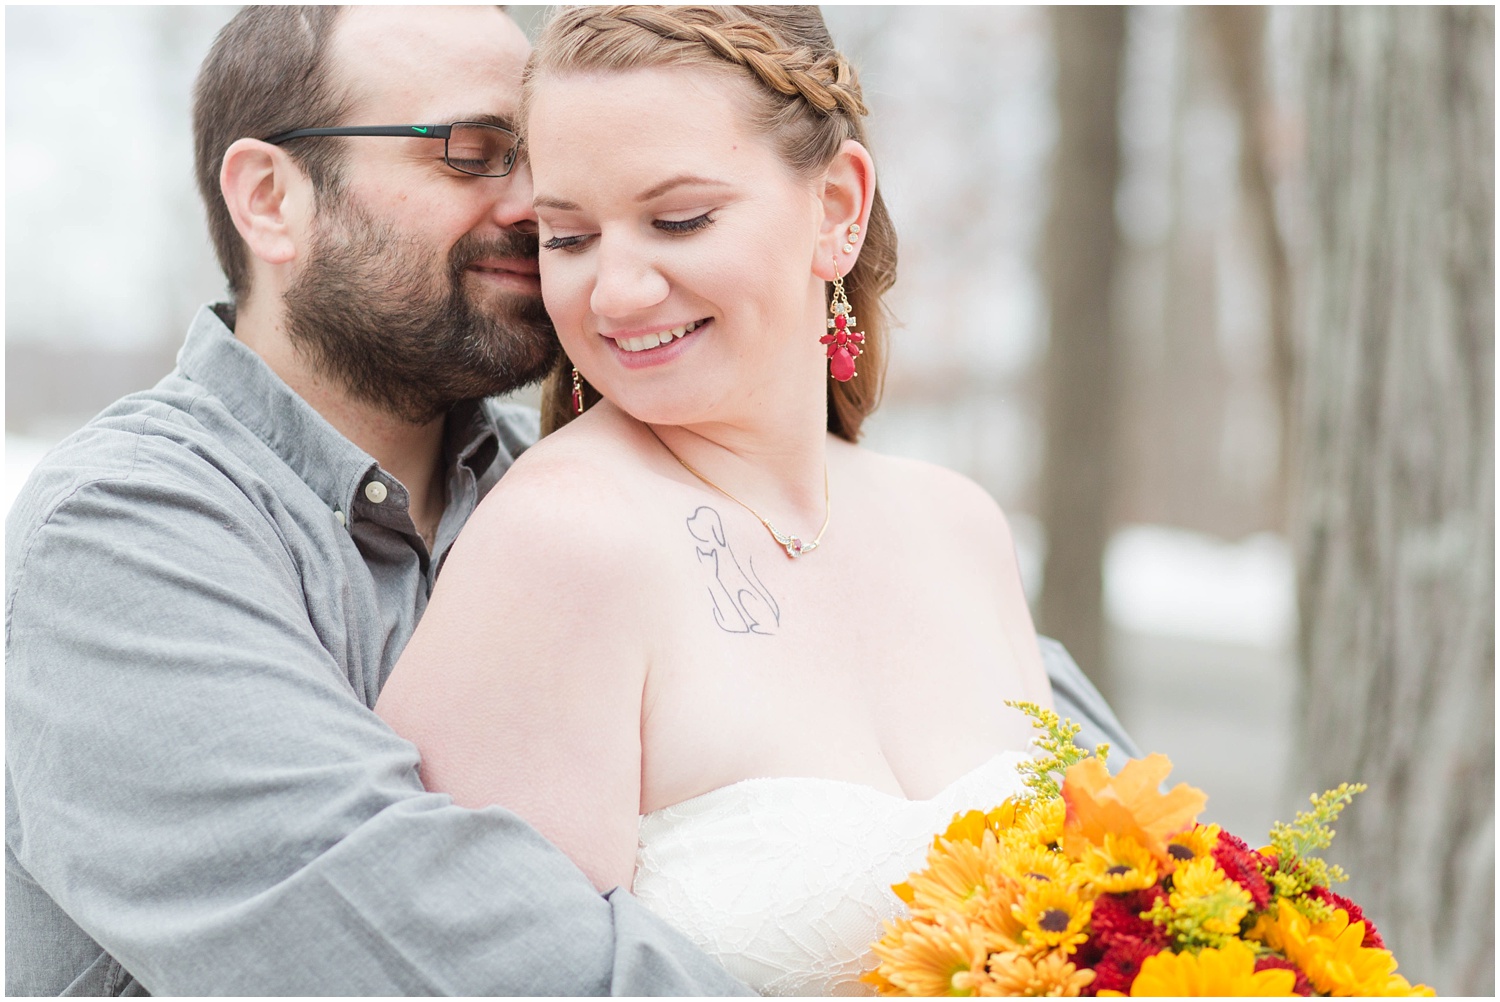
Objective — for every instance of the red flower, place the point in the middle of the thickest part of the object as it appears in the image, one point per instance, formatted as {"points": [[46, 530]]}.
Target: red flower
{"points": [[1117, 916], [1089, 954], [1302, 987], [1117, 969], [1333, 899], [1242, 866]]}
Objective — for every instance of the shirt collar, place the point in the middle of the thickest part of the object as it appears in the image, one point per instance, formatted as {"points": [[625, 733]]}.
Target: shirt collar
{"points": [[334, 467]]}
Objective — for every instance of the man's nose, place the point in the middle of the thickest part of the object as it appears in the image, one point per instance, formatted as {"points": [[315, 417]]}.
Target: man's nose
{"points": [[626, 279], [512, 209]]}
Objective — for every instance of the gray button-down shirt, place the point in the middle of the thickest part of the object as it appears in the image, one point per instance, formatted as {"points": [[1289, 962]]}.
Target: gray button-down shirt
{"points": [[205, 589]]}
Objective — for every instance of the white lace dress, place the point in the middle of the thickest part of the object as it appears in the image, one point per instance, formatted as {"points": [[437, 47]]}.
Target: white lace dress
{"points": [[787, 882]]}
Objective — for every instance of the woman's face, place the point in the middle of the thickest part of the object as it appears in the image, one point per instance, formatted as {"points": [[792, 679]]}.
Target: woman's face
{"points": [[677, 247]]}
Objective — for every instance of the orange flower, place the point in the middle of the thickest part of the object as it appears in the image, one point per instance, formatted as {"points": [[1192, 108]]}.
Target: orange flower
{"points": [[1050, 974], [969, 827], [959, 879], [1127, 804], [925, 959]]}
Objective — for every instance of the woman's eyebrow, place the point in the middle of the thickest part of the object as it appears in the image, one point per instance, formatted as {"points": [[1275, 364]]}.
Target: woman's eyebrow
{"points": [[676, 182]]}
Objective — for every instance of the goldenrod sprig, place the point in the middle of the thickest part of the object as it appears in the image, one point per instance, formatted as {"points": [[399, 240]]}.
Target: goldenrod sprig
{"points": [[1298, 870], [1044, 773], [1210, 920]]}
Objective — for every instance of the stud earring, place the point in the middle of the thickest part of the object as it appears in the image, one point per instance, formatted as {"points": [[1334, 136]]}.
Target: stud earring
{"points": [[852, 238], [842, 341], [577, 392]]}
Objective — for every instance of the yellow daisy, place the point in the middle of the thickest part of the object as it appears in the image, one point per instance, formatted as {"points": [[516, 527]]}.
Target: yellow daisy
{"points": [[1037, 822], [1052, 917], [1118, 866], [1050, 975], [1332, 956], [1229, 970], [1195, 843], [1027, 863], [923, 959]]}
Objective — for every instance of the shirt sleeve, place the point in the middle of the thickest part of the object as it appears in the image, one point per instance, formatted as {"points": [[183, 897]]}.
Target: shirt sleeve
{"points": [[193, 780], [1075, 698]]}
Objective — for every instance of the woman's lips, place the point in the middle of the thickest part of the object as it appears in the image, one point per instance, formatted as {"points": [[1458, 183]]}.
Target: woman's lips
{"points": [[655, 347], [648, 341]]}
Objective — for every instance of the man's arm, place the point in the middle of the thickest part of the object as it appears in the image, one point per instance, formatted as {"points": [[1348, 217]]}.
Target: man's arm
{"points": [[195, 783]]}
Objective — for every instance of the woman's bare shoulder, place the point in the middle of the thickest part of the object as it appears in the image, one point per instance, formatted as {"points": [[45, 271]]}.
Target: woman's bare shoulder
{"points": [[939, 495], [609, 447], [578, 489]]}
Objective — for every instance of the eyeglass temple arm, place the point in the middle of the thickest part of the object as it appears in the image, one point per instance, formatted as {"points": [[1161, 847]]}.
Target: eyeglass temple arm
{"points": [[415, 131]]}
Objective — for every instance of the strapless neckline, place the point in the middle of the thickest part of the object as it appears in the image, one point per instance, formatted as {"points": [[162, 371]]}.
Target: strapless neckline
{"points": [[786, 880], [865, 789]]}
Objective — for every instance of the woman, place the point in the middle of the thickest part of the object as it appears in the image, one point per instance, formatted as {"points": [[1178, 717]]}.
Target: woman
{"points": [[715, 650]]}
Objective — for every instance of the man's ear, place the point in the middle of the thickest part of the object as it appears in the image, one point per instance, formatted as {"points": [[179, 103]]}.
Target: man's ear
{"points": [[847, 196], [268, 196]]}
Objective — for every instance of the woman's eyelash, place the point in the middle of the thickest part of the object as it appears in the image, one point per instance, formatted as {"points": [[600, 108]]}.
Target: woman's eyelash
{"points": [[683, 225], [666, 225]]}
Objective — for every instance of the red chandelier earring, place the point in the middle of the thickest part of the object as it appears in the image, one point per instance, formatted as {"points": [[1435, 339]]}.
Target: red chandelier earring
{"points": [[844, 343], [577, 393]]}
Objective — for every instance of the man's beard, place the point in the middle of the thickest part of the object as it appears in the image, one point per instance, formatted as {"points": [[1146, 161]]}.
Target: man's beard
{"points": [[371, 311]]}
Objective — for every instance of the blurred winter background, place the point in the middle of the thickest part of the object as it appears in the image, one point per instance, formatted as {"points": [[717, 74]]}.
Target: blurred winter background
{"points": [[1173, 579]]}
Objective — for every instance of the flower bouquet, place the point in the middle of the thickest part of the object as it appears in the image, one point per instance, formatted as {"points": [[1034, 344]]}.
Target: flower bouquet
{"points": [[1100, 885]]}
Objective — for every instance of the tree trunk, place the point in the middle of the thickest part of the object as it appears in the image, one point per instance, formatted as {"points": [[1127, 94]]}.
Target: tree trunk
{"points": [[1079, 375], [1241, 35], [1395, 511]]}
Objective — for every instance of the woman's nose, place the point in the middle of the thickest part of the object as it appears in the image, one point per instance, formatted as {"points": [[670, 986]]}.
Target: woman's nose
{"points": [[626, 281]]}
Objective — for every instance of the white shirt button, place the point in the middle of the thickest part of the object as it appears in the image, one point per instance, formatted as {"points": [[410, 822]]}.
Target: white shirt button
{"points": [[375, 491], [340, 516]]}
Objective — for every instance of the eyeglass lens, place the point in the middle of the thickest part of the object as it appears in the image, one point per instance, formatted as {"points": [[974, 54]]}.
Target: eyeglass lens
{"points": [[481, 149]]}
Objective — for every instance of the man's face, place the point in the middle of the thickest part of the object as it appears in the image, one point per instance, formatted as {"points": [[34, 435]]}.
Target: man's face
{"points": [[420, 285]]}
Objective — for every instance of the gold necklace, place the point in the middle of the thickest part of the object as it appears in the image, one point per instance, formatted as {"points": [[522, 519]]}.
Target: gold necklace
{"points": [[794, 547]]}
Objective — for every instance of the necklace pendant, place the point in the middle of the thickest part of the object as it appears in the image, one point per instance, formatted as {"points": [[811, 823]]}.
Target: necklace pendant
{"points": [[795, 547]]}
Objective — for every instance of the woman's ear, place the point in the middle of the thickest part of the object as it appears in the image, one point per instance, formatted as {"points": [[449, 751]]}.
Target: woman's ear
{"points": [[268, 198], [847, 196]]}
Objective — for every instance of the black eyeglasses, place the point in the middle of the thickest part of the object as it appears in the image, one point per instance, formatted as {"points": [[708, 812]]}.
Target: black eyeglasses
{"points": [[470, 147]]}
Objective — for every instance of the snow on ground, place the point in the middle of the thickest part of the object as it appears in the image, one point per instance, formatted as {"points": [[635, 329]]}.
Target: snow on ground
{"points": [[1171, 582]]}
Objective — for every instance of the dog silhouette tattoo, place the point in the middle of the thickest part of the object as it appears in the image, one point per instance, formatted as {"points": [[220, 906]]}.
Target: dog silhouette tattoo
{"points": [[741, 602]]}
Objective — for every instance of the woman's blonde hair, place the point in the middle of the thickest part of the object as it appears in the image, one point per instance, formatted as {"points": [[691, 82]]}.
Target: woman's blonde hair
{"points": [[806, 99]]}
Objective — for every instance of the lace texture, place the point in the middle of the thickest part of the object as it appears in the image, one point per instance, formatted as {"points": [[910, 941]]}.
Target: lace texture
{"points": [[787, 882]]}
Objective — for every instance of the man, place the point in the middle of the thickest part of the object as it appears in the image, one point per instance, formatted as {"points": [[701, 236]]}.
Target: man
{"points": [[207, 586]]}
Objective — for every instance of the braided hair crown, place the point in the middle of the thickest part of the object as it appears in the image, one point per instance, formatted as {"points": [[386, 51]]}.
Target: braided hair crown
{"points": [[806, 99]]}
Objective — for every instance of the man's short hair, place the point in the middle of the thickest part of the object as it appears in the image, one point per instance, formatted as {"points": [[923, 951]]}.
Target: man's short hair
{"points": [[267, 72]]}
